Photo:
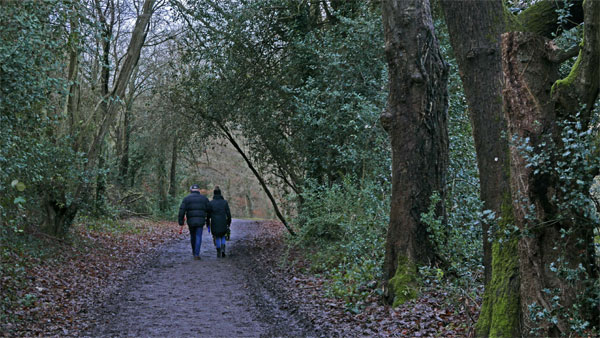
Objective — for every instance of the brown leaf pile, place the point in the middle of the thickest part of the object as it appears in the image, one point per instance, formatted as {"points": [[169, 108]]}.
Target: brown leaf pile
{"points": [[62, 285], [433, 314]]}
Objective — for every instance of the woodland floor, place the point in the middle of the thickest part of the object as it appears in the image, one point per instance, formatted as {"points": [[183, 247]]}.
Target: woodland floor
{"points": [[148, 285]]}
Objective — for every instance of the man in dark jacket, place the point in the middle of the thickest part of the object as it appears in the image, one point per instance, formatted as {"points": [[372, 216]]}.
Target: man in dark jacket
{"points": [[219, 220], [195, 207]]}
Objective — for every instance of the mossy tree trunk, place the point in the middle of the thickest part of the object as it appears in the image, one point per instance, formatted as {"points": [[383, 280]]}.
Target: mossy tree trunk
{"points": [[476, 45], [554, 238], [475, 28], [416, 119]]}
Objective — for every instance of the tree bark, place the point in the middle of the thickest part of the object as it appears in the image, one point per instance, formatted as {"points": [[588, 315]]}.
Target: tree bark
{"points": [[173, 169], [554, 236], [416, 119], [475, 28], [476, 45], [124, 171], [161, 182]]}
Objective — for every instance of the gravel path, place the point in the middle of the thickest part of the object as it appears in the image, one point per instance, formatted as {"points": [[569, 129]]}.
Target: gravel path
{"points": [[175, 295]]}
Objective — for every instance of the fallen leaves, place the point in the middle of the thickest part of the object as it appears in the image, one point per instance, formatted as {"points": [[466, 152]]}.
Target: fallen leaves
{"points": [[72, 278], [431, 315]]}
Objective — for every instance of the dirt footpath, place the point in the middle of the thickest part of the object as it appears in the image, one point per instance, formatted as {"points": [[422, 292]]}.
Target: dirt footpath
{"points": [[175, 295]]}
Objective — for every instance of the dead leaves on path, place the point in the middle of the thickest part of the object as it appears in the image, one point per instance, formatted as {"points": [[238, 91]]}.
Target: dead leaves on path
{"points": [[431, 315], [56, 289]]}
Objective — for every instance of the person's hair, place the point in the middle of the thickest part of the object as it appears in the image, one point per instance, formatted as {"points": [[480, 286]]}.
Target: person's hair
{"points": [[217, 191]]}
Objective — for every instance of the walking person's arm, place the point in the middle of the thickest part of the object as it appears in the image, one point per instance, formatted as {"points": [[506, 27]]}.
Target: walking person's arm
{"points": [[208, 215], [181, 217], [228, 213]]}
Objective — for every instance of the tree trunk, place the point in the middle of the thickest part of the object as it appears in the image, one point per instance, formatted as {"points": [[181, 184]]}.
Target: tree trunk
{"points": [[476, 45], [554, 237], [126, 138], [173, 170], [249, 208], [124, 160], [58, 214], [416, 119], [475, 28], [100, 197], [162, 183]]}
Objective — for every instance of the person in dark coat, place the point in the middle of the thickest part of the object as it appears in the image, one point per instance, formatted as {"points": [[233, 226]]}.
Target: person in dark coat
{"points": [[196, 208], [219, 220]]}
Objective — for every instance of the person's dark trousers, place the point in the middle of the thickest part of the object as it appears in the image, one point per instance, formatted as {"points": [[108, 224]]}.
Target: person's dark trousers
{"points": [[195, 239]]}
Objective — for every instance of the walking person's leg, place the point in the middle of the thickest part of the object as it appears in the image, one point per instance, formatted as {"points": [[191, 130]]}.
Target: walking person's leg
{"points": [[223, 246], [198, 241], [220, 242], [192, 238]]}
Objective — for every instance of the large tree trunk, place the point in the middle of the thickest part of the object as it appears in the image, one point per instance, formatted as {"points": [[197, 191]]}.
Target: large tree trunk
{"points": [[416, 119], [476, 45], [554, 236], [475, 28]]}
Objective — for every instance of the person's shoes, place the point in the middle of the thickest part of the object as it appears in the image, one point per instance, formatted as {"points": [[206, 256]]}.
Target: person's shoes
{"points": [[218, 252], [223, 251], [197, 258]]}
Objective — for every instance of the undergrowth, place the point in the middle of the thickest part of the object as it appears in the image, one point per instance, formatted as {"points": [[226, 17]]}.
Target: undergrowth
{"points": [[342, 233]]}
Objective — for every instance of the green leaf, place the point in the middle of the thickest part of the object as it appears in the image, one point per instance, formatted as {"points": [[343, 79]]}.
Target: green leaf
{"points": [[19, 200]]}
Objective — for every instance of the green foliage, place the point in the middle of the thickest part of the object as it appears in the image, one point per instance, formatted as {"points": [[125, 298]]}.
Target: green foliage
{"points": [[458, 243], [306, 98], [31, 93], [343, 229]]}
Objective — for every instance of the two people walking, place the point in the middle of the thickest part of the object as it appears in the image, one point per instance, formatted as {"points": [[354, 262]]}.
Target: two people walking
{"points": [[198, 211]]}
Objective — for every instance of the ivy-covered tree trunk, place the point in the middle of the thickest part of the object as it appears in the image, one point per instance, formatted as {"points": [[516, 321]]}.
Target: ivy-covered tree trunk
{"points": [[475, 28], [416, 119], [556, 250]]}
